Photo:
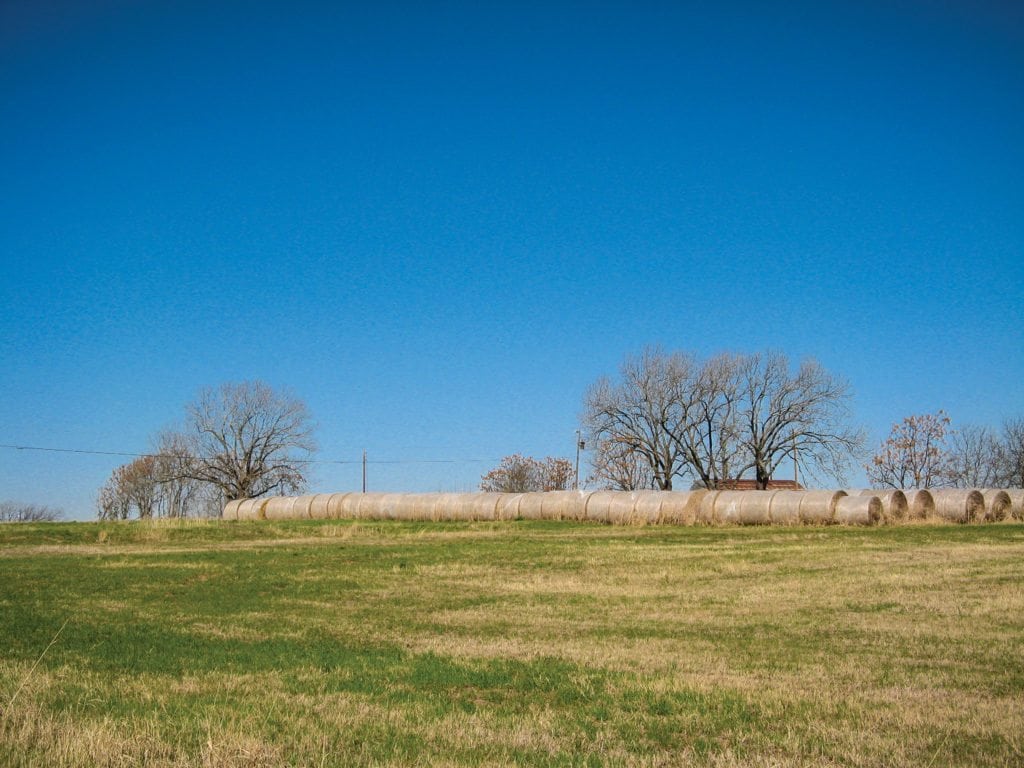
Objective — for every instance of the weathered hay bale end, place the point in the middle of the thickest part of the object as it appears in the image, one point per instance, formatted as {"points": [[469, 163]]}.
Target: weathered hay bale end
{"points": [[368, 505], [529, 505], [895, 506], [230, 511], [744, 507], [336, 505], [820, 507], [252, 509], [920, 503], [681, 507], [858, 510], [483, 506], [1016, 503], [959, 506], [302, 506], [318, 507], [997, 504]]}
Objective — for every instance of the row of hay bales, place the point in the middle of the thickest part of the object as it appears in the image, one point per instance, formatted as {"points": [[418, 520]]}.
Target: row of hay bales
{"points": [[854, 507]]}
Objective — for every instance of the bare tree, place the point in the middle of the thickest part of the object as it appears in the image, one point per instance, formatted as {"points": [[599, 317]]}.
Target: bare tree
{"points": [[520, 474], [801, 416], [974, 458], [15, 512], [617, 467], [712, 437], [915, 455], [1011, 454], [645, 413], [247, 440]]}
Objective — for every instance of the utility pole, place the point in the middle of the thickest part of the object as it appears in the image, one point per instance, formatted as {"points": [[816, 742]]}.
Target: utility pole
{"points": [[364, 471], [580, 445]]}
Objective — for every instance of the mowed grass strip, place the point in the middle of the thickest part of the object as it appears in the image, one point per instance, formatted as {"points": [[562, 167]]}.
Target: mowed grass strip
{"points": [[522, 643]]}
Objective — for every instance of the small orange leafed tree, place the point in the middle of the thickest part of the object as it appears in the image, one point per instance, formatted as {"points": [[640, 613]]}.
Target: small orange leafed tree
{"points": [[915, 455], [521, 474]]}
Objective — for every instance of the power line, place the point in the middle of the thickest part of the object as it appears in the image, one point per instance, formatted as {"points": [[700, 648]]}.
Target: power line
{"points": [[130, 454]]}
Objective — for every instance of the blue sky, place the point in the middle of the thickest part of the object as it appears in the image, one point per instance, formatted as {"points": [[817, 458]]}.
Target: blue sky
{"points": [[439, 225]]}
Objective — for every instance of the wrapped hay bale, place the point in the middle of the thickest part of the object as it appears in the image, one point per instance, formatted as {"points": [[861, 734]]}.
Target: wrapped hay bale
{"points": [[279, 507], [620, 511], [318, 507], [598, 508], [648, 506], [530, 505], [302, 506], [336, 506], [959, 505], [508, 506], [230, 511], [446, 506], [706, 512], [563, 505], [680, 507], [1016, 503], [920, 503], [895, 507], [819, 507], [368, 506], [858, 510], [744, 507], [483, 506], [414, 506], [997, 504], [786, 507]]}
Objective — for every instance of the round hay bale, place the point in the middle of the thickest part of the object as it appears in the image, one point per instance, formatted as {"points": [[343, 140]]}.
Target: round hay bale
{"points": [[620, 511], [895, 507], [786, 507], [1016, 503], [680, 507], [819, 507], [530, 505], [303, 506], [414, 506], [389, 506], [920, 503], [279, 507], [648, 506], [336, 505], [259, 509], [707, 511], [230, 511], [959, 505], [563, 505], [247, 509], [756, 507], [598, 508], [508, 506], [858, 510], [997, 504], [484, 506], [318, 506], [727, 507], [446, 507], [368, 506]]}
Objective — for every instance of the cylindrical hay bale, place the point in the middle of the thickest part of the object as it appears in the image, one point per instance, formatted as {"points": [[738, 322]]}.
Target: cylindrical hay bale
{"points": [[318, 506], [959, 505], [1016, 503], [744, 507], [508, 506], [920, 503], [389, 506], [302, 505], [706, 512], [680, 507], [563, 505], [279, 507], [598, 508], [258, 510], [336, 505], [786, 507], [369, 506], [247, 509], [446, 508], [858, 510], [484, 506], [647, 508], [413, 506], [895, 507], [620, 511], [819, 507], [530, 504], [997, 504], [230, 511]]}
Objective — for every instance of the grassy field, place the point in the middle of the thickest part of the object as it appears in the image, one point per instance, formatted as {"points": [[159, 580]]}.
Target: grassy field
{"points": [[551, 644]]}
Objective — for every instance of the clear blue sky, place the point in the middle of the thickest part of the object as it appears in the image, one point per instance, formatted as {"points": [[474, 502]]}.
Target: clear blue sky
{"points": [[439, 226]]}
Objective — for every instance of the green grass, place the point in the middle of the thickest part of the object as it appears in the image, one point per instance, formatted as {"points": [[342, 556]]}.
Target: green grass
{"points": [[522, 643]]}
